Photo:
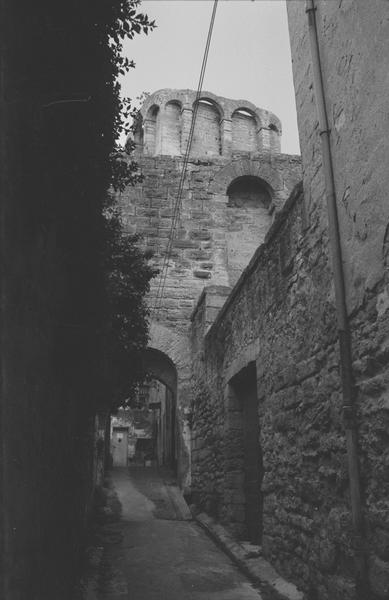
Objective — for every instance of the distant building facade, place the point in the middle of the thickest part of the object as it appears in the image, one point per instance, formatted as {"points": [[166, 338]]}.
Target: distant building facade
{"points": [[143, 434]]}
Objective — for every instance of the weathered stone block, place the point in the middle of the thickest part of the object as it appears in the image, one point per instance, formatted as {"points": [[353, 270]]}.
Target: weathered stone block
{"points": [[202, 235], [184, 244], [202, 274], [199, 255]]}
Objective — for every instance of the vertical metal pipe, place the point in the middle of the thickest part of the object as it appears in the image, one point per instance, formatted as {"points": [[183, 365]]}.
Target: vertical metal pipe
{"points": [[348, 387]]}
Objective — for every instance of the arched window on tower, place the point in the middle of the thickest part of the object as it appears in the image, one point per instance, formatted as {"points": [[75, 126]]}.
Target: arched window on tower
{"points": [[274, 138], [206, 137], [249, 219], [244, 131], [171, 129], [248, 192], [138, 134], [150, 133]]}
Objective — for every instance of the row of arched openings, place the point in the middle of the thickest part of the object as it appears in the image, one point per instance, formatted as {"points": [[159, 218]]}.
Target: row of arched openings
{"points": [[163, 130]]}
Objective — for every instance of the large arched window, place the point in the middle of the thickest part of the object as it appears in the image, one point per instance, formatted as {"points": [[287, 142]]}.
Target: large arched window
{"points": [[206, 137], [150, 130], [138, 132], [244, 131], [249, 192], [274, 138], [249, 200], [171, 129]]}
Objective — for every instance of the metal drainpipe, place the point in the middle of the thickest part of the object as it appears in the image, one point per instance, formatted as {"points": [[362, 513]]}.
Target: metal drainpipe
{"points": [[348, 387]]}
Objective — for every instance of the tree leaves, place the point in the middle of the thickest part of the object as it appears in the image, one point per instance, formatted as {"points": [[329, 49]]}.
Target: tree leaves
{"points": [[126, 270], [128, 276]]}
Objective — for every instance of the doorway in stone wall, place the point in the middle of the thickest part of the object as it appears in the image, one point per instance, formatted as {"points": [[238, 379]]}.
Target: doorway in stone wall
{"points": [[243, 392]]}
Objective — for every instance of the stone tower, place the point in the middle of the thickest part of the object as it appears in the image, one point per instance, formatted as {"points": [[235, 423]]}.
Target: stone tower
{"points": [[236, 181]]}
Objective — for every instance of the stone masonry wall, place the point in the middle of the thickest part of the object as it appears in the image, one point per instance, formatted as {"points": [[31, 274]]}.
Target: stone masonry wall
{"points": [[281, 316], [354, 49], [214, 241], [235, 183], [215, 238], [222, 125]]}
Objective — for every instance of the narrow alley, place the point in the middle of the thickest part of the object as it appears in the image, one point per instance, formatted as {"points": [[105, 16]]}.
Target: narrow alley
{"points": [[146, 546], [194, 313]]}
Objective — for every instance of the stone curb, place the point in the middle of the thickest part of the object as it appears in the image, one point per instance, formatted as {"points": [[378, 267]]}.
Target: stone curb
{"points": [[271, 584]]}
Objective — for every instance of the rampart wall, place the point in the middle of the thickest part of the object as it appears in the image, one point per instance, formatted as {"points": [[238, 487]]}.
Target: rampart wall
{"points": [[217, 233], [280, 320], [222, 126]]}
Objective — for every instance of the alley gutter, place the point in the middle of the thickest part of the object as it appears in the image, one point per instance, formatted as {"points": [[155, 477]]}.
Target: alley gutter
{"points": [[254, 566]]}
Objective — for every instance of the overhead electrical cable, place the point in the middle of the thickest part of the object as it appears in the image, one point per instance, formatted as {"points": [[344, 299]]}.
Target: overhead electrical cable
{"points": [[178, 201]]}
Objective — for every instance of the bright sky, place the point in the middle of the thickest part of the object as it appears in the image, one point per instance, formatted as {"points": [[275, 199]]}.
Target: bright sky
{"points": [[249, 57]]}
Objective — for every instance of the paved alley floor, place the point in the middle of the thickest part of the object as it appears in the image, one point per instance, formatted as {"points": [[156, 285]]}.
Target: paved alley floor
{"points": [[146, 548]]}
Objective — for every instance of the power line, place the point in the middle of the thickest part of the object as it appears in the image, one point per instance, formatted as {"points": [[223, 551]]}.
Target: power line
{"points": [[177, 205]]}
